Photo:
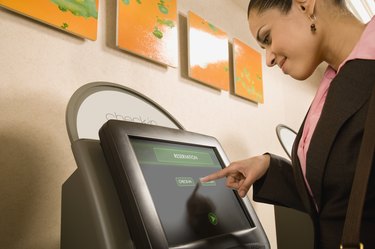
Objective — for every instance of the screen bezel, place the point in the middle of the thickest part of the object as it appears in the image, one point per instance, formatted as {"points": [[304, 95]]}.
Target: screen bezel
{"points": [[131, 178]]}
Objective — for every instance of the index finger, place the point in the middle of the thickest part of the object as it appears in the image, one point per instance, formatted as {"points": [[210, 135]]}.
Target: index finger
{"points": [[216, 175]]}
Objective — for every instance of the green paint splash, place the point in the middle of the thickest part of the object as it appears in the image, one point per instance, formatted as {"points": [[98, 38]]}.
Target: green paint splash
{"points": [[248, 84], [64, 25], [84, 8], [127, 2], [168, 23], [158, 30], [212, 27], [157, 33]]}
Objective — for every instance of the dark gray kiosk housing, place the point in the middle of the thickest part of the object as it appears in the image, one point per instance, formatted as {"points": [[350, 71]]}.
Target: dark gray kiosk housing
{"points": [[137, 186]]}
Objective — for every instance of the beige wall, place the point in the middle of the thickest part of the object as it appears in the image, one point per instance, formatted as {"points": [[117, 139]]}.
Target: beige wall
{"points": [[41, 67]]}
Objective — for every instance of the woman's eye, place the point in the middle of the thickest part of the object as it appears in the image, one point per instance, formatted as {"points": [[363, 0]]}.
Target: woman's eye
{"points": [[267, 40]]}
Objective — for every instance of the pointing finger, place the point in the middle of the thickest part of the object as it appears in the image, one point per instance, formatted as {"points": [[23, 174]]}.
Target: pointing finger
{"points": [[216, 175]]}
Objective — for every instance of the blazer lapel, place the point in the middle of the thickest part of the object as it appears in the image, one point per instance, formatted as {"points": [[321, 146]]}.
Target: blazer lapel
{"points": [[348, 92]]}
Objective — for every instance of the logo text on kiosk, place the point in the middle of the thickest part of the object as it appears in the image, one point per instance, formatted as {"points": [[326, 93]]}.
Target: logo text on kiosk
{"points": [[137, 119]]}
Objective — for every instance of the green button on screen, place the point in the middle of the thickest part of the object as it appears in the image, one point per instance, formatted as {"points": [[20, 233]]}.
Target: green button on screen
{"points": [[212, 218], [185, 181], [191, 158], [210, 183]]}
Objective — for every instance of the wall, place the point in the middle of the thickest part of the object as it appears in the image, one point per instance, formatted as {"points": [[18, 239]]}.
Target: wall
{"points": [[40, 69]]}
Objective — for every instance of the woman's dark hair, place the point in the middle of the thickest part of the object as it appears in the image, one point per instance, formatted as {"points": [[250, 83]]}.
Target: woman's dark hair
{"points": [[262, 5], [283, 5]]}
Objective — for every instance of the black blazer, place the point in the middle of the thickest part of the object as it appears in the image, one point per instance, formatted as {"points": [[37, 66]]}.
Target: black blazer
{"points": [[331, 161]]}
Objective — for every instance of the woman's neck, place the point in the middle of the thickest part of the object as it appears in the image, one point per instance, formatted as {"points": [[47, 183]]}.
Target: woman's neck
{"points": [[341, 34]]}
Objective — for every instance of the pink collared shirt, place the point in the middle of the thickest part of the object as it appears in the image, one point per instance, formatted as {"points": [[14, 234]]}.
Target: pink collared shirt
{"points": [[364, 49]]}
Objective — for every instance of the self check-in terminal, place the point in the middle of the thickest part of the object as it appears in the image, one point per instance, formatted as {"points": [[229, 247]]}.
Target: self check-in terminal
{"points": [[137, 186]]}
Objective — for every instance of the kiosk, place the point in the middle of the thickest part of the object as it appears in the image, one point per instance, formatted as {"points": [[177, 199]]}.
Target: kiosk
{"points": [[152, 197]]}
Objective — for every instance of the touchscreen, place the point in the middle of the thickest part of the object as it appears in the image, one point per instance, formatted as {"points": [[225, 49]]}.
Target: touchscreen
{"points": [[188, 209]]}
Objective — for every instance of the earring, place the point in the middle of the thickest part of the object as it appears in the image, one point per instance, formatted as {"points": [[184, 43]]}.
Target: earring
{"points": [[313, 26]]}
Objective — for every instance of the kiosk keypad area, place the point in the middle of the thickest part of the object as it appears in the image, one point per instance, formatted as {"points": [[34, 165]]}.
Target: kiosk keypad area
{"points": [[156, 172]]}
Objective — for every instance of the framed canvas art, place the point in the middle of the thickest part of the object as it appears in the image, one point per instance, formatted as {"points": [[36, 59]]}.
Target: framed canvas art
{"points": [[247, 67], [149, 29], [208, 55], [77, 17]]}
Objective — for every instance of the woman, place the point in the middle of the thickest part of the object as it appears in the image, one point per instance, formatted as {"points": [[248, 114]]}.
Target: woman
{"points": [[298, 35]]}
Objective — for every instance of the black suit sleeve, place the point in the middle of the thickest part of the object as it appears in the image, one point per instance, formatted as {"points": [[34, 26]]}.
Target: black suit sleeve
{"points": [[278, 186]]}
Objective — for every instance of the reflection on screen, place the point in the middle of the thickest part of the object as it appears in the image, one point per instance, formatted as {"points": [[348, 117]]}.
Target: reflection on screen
{"points": [[188, 209]]}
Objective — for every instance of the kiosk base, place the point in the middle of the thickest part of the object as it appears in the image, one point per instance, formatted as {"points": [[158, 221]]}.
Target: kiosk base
{"points": [[92, 215]]}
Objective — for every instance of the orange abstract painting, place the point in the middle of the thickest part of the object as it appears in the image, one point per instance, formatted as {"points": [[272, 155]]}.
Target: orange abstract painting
{"points": [[149, 29], [208, 53], [247, 63], [77, 17]]}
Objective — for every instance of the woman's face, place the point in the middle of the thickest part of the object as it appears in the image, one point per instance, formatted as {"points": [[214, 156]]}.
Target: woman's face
{"points": [[288, 40]]}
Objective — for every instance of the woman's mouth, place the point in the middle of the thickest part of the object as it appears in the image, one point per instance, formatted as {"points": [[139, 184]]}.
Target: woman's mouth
{"points": [[281, 64]]}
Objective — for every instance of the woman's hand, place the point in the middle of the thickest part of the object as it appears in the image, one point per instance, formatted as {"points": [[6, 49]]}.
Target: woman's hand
{"points": [[242, 174]]}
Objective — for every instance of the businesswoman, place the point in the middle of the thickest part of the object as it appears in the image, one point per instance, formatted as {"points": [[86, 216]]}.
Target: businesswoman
{"points": [[298, 35]]}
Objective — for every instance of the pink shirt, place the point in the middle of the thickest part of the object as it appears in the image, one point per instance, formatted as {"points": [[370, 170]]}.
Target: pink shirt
{"points": [[364, 49]]}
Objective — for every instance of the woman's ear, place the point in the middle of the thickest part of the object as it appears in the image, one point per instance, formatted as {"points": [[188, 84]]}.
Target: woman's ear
{"points": [[306, 6]]}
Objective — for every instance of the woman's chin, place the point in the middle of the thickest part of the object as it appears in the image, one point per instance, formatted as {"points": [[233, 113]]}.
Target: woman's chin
{"points": [[300, 76]]}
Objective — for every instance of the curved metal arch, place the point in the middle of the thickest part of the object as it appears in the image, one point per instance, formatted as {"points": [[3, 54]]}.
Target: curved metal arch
{"points": [[283, 141], [85, 91]]}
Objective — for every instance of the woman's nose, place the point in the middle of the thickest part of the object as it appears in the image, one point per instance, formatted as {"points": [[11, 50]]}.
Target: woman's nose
{"points": [[270, 58]]}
